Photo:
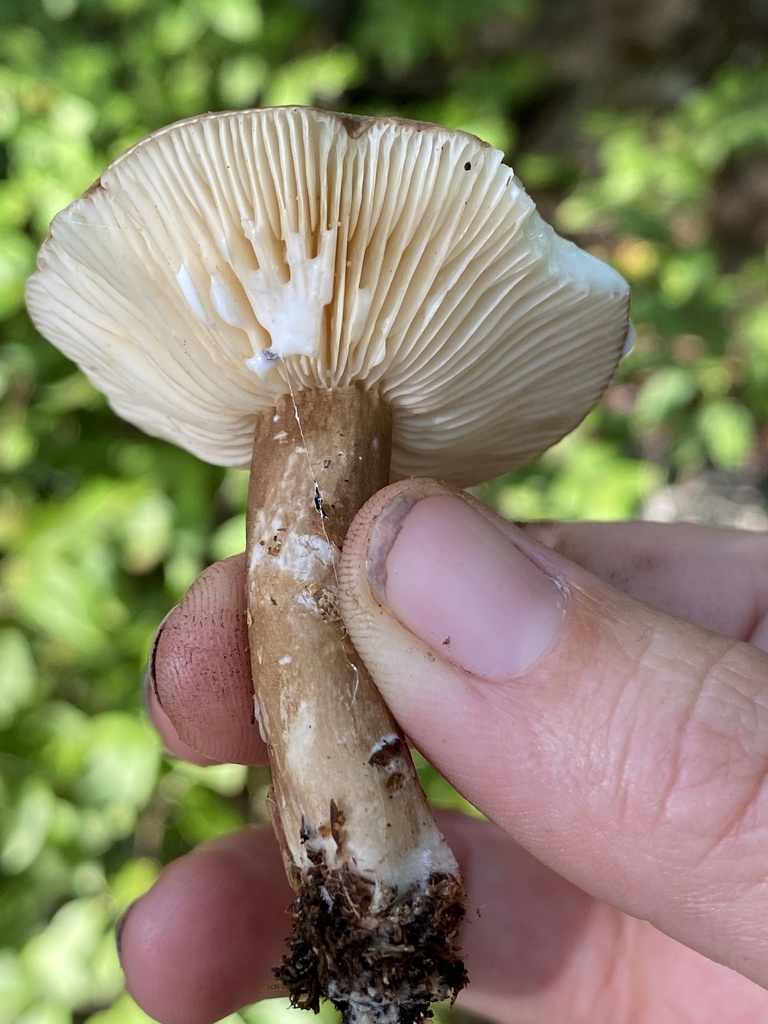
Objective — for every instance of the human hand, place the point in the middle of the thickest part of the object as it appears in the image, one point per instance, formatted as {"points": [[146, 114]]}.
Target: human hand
{"points": [[620, 750]]}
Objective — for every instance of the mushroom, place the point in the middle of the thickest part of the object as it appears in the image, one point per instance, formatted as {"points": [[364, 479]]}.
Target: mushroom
{"points": [[336, 301]]}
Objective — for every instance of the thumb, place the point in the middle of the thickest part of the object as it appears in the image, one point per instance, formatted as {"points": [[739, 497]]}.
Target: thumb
{"points": [[625, 748]]}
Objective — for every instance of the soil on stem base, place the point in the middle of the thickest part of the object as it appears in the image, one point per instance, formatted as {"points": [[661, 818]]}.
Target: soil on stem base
{"points": [[378, 967]]}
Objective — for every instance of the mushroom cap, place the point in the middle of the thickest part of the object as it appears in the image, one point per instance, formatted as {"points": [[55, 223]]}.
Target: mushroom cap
{"points": [[235, 257]]}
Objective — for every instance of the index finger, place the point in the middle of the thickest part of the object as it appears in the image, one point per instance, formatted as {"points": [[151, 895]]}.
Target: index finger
{"points": [[199, 672]]}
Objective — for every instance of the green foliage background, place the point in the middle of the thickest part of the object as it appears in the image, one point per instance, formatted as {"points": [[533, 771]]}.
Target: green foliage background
{"points": [[643, 134]]}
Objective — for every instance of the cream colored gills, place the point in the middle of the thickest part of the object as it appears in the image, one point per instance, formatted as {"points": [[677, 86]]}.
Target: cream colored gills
{"points": [[298, 248]]}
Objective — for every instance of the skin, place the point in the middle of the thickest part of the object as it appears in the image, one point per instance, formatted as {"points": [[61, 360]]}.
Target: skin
{"points": [[603, 698]]}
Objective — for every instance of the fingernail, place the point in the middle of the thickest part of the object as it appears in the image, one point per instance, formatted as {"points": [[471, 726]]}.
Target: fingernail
{"points": [[148, 684], [456, 582]]}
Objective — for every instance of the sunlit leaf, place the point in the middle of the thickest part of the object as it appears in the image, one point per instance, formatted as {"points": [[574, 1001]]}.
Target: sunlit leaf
{"points": [[29, 826], [18, 674], [121, 761], [17, 255], [728, 432], [666, 390], [15, 988], [133, 880], [59, 958], [229, 539], [317, 78]]}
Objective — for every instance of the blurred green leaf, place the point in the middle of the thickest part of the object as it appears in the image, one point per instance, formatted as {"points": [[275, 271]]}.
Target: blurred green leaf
{"points": [[28, 828], [121, 762], [229, 539], [318, 78], [132, 880], [18, 674], [728, 431], [14, 987], [17, 259], [123, 1011], [665, 391], [60, 958], [239, 21]]}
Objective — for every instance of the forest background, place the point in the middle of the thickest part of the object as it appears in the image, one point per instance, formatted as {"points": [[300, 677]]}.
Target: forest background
{"points": [[642, 132]]}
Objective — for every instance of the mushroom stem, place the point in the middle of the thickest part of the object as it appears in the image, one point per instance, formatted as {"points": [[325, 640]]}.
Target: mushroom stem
{"points": [[379, 896]]}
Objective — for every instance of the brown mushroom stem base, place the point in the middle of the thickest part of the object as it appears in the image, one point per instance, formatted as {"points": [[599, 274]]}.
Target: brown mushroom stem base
{"points": [[379, 896], [385, 967]]}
